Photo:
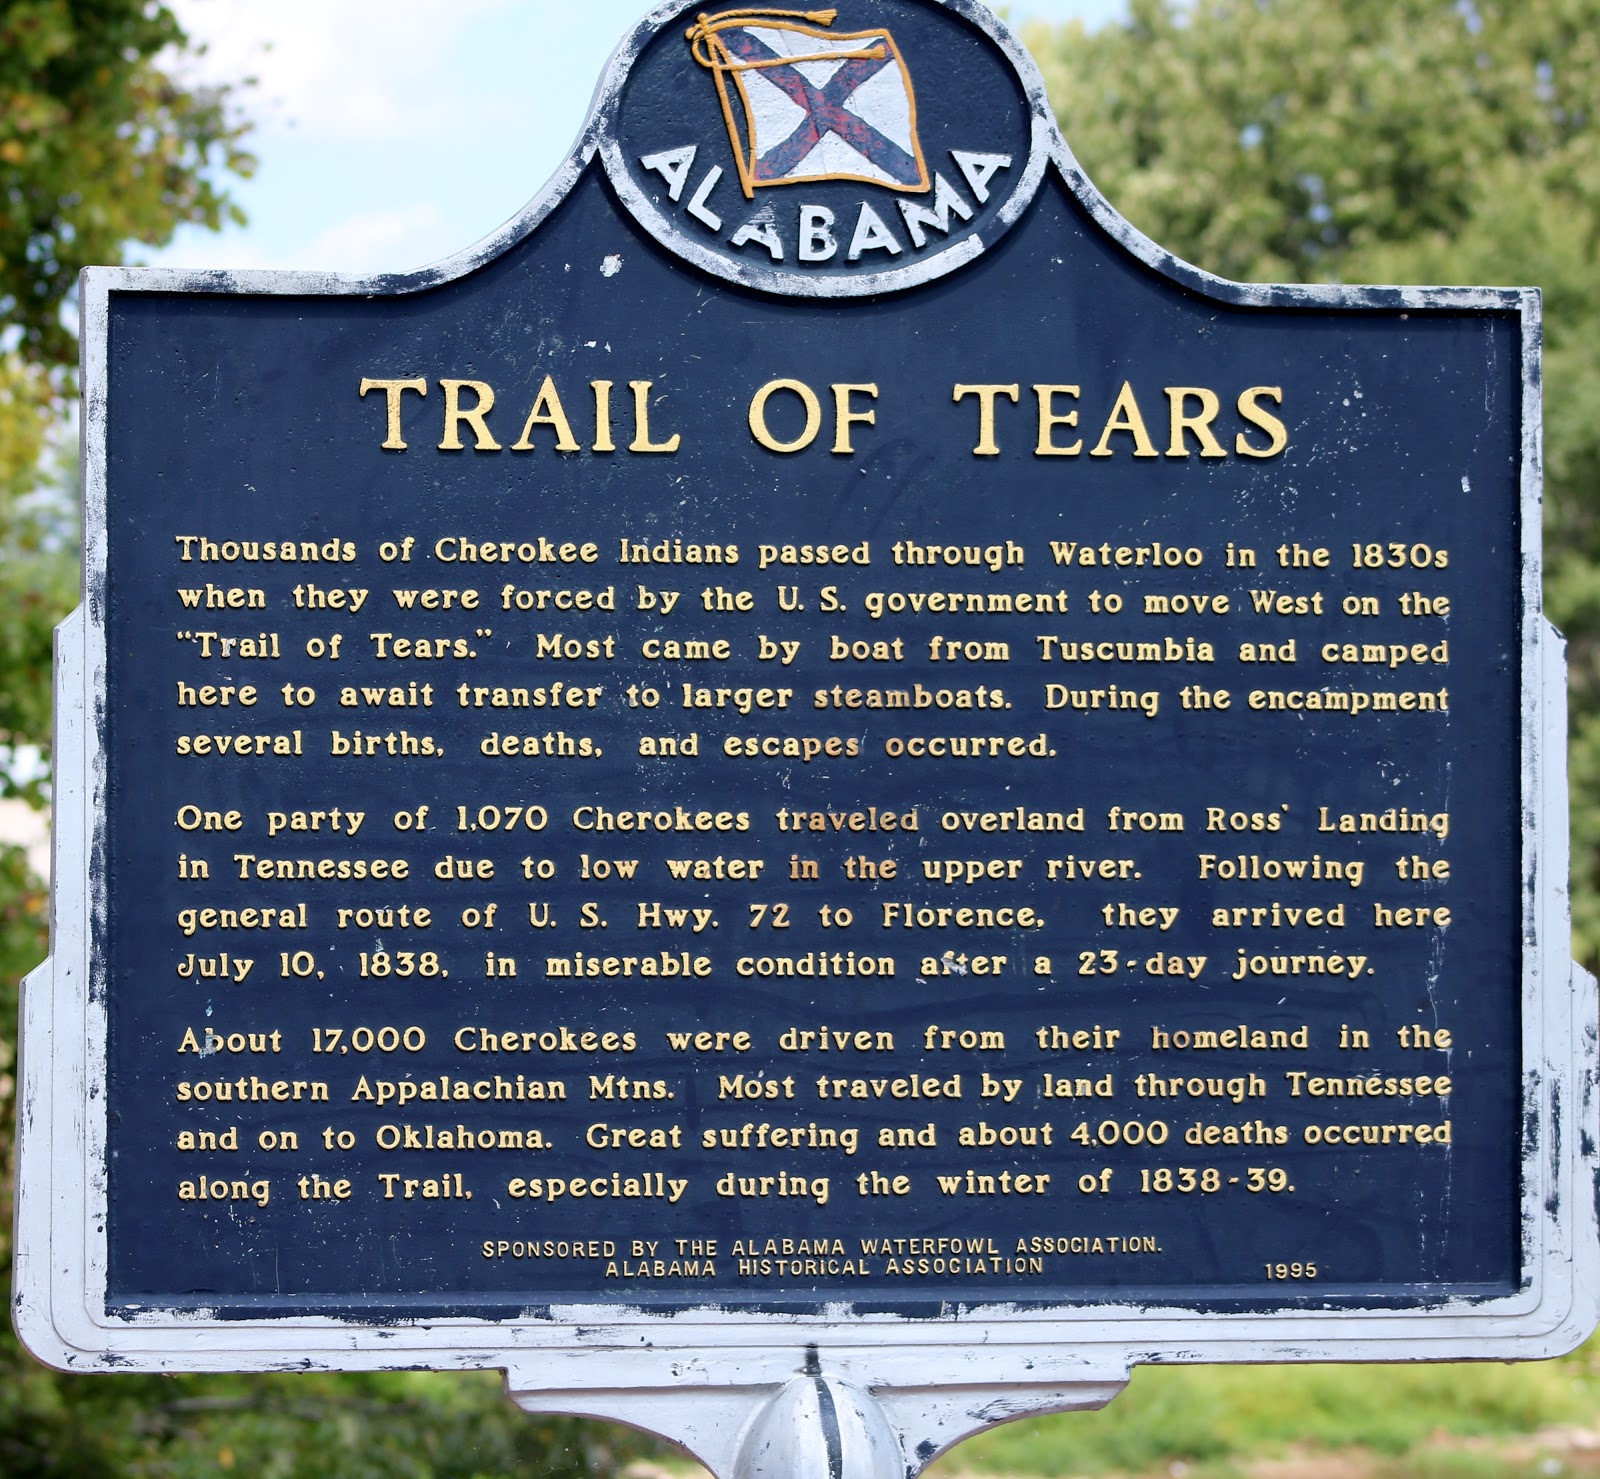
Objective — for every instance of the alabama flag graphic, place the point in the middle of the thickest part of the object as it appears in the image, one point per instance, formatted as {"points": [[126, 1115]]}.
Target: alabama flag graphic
{"points": [[802, 103]]}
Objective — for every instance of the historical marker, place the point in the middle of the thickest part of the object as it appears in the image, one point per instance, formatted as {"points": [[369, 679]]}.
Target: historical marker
{"points": [[817, 787]]}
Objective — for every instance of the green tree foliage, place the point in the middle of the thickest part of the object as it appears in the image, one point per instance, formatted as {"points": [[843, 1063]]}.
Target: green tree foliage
{"points": [[99, 146], [1411, 141], [102, 144]]}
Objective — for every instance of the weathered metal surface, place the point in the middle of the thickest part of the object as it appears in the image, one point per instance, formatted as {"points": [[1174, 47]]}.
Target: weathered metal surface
{"points": [[1018, 369]]}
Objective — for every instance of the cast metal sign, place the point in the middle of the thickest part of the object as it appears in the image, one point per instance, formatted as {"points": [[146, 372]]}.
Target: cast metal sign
{"points": [[816, 792]]}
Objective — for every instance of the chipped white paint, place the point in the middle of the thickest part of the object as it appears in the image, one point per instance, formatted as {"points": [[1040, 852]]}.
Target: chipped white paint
{"points": [[723, 1382]]}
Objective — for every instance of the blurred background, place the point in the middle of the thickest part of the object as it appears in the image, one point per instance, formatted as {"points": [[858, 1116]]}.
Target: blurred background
{"points": [[1415, 141]]}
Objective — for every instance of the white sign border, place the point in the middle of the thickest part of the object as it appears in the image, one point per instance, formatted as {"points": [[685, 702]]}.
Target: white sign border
{"points": [[701, 1374]]}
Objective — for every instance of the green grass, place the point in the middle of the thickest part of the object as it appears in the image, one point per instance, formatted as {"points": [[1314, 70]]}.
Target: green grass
{"points": [[1216, 1418]]}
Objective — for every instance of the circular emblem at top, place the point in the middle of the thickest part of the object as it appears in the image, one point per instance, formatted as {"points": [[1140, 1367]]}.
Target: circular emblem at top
{"points": [[825, 153]]}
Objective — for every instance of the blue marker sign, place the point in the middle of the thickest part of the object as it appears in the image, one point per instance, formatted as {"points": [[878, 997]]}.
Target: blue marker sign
{"points": [[817, 745]]}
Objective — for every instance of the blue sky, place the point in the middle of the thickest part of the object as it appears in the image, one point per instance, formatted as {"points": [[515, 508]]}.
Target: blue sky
{"points": [[392, 133]]}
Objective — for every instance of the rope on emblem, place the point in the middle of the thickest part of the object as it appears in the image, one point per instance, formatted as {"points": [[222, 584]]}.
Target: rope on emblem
{"points": [[714, 55]]}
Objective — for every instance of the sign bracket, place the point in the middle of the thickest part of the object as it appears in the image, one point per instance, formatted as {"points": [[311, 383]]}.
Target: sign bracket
{"points": [[819, 1424]]}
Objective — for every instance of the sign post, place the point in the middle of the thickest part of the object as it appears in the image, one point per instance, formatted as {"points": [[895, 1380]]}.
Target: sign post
{"points": [[813, 800]]}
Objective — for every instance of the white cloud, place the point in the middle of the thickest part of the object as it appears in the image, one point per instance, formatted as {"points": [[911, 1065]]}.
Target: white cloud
{"points": [[192, 247], [375, 241], [397, 239], [338, 69]]}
